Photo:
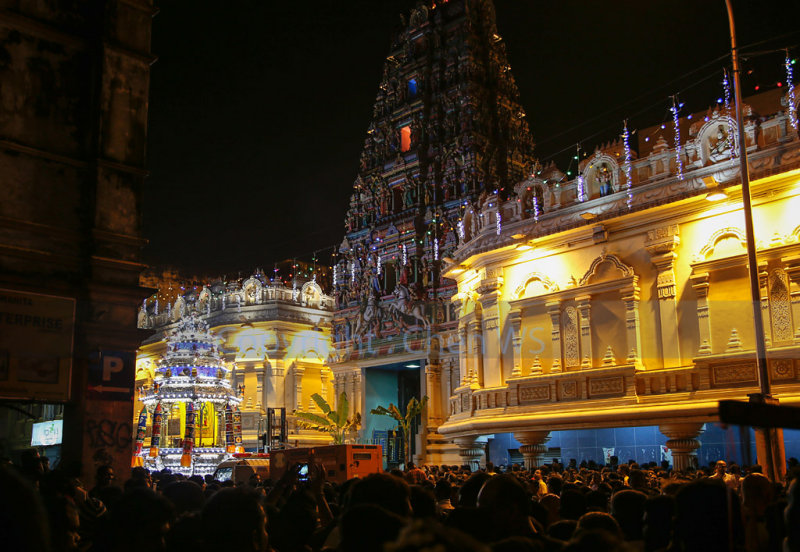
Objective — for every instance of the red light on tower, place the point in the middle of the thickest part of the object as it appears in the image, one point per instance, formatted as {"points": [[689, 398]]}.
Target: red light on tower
{"points": [[405, 138]]}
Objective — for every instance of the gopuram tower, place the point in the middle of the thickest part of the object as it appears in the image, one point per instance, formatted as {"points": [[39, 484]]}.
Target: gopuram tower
{"points": [[447, 138]]}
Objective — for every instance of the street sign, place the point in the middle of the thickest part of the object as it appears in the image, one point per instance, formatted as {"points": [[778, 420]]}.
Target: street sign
{"points": [[111, 375]]}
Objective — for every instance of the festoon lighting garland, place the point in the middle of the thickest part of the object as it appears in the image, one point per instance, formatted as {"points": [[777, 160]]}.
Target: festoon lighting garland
{"points": [[726, 87], [792, 109], [627, 167], [676, 124], [581, 183]]}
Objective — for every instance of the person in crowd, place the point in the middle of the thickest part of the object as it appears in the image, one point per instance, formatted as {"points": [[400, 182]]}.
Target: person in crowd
{"points": [[588, 506], [444, 492], [234, 519], [414, 475]]}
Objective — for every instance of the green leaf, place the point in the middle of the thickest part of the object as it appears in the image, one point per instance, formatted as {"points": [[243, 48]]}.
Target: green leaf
{"points": [[321, 403], [342, 409], [311, 417], [395, 413]]}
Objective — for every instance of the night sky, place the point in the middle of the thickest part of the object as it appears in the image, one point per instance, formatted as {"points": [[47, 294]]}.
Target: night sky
{"points": [[258, 111]]}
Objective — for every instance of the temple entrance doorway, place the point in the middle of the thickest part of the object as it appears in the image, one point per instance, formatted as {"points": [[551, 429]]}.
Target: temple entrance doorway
{"points": [[394, 383]]}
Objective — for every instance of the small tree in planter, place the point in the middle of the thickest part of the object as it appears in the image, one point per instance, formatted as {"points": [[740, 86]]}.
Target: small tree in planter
{"points": [[404, 420], [332, 421]]}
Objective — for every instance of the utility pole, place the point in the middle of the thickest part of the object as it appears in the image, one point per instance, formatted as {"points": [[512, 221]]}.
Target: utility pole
{"points": [[768, 444]]}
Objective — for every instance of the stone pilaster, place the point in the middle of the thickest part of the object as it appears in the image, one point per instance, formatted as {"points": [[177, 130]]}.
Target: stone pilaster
{"points": [[338, 385], [447, 381], [533, 447], [463, 354], [277, 376], [700, 286], [471, 449], [475, 332], [515, 321], [554, 310], [661, 243], [324, 375], [433, 381], [299, 371], [584, 304], [682, 441], [491, 367], [630, 297], [763, 289], [356, 400]]}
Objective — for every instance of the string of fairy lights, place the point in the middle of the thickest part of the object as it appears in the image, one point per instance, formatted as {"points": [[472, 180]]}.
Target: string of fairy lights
{"points": [[339, 273], [724, 100], [788, 63], [628, 163]]}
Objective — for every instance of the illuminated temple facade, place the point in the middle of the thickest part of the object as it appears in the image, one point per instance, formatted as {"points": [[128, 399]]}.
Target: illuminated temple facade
{"points": [[545, 315], [630, 306], [591, 316], [273, 341]]}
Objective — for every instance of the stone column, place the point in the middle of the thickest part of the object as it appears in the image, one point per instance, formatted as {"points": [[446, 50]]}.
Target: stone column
{"points": [[463, 354], [475, 332], [433, 381], [763, 288], [533, 447], [299, 371], [471, 450], [515, 321], [630, 296], [261, 385], [661, 243], [700, 285], [584, 306], [554, 310], [356, 401], [447, 380], [323, 383], [278, 378], [337, 385], [491, 366], [682, 441]]}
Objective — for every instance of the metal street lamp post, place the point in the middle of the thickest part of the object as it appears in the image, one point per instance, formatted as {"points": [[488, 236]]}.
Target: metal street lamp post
{"points": [[767, 440]]}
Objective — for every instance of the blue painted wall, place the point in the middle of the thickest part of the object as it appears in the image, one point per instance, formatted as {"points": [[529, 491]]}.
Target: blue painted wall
{"points": [[642, 444], [380, 388]]}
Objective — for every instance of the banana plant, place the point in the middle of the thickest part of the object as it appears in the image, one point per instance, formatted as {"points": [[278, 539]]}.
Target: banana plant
{"points": [[331, 421], [404, 420]]}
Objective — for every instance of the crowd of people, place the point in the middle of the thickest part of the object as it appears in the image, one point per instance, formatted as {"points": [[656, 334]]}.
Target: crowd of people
{"points": [[575, 508]]}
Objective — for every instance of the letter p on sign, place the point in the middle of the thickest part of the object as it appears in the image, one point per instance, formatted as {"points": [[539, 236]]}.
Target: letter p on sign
{"points": [[111, 365]]}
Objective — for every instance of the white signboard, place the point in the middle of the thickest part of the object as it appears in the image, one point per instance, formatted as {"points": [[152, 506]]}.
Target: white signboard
{"points": [[47, 433], [35, 346]]}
